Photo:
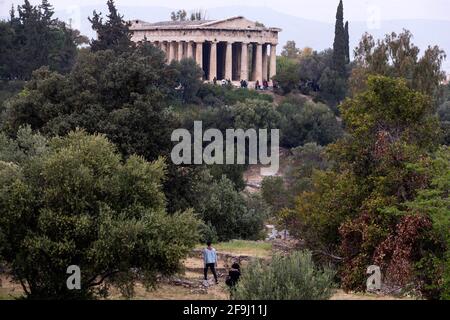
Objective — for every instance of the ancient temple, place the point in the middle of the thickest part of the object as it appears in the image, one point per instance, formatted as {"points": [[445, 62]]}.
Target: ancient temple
{"points": [[232, 49]]}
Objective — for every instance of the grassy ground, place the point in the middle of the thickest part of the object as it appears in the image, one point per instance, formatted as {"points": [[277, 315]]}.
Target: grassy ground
{"points": [[9, 290], [245, 248], [170, 291]]}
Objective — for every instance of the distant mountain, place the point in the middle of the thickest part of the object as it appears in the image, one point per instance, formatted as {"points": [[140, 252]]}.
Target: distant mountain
{"points": [[306, 33]]}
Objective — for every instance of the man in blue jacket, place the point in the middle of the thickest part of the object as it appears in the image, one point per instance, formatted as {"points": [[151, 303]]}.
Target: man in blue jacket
{"points": [[210, 260]]}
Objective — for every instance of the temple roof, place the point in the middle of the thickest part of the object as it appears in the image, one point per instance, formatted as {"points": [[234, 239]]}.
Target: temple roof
{"points": [[177, 23], [234, 23]]}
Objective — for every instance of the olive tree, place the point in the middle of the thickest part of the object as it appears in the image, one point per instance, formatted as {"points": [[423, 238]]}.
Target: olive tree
{"points": [[77, 202]]}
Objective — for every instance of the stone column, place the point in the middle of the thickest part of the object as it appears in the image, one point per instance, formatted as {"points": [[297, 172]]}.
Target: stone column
{"points": [[265, 62], [213, 62], [273, 61], [253, 60], [190, 50], [229, 62], [244, 62], [237, 51], [171, 49], [180, 51], [258, 63], [164, 48], [199, 54]]}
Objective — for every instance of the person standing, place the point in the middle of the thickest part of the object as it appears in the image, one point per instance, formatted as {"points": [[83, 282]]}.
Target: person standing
{"points": [[210, 260]]}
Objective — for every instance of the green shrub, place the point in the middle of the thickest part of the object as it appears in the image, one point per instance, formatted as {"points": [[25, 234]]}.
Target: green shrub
{"points": [[236, 95], [9, 89], [307, 122], [286, 278], [216, 95], [208, 233], [231, 215]]}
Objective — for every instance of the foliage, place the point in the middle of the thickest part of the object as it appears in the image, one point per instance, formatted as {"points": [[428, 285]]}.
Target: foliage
{"points": [[389, 127], [397, 56], [79, 203], [360, 237], [198, 15], [180, 15], [123, 95], [9, 89], [287, 77], [303, 162], [114, 34], [312, 74], [299, 121], [307, 122], [333, 87], [258, 211], [231, 215], [294, 277], [217, 96], [426, 240], [396, 253], [255, 114], [319, 212], [208, 233], [444, 114], [274, 193], [347, 43], [189, 78], [33, 38], [444, 117], [25, 146], [290, 50], [340, 45], [311, 68]]}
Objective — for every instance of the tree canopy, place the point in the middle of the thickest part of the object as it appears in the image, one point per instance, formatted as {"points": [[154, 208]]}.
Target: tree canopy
{"points": [[348, 215], [32, 38], [75, 201], [123, 95], [397, 56]]}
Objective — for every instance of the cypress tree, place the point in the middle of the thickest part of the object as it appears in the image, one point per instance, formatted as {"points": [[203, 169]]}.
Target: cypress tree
{"points": [[347, 44], [47, 12], [339, 50], [113, 34]]}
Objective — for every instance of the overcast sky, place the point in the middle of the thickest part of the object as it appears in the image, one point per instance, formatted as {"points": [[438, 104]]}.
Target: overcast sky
{"points": [[322, 10]]}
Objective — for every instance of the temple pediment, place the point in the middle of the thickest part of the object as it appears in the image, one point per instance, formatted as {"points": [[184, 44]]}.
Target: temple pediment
{"points": [[234, 22]]}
